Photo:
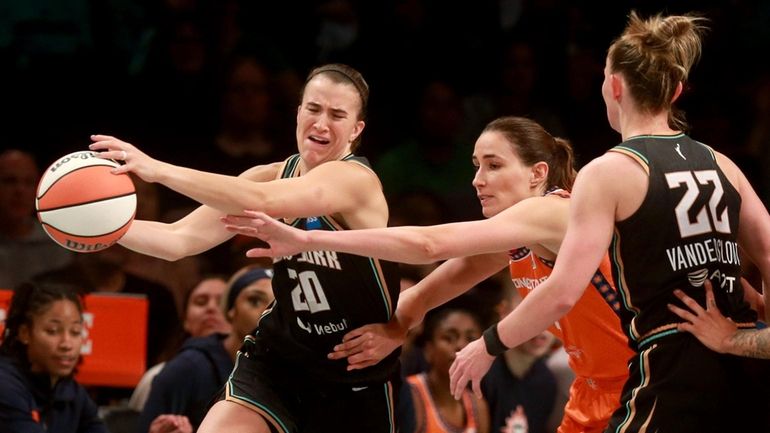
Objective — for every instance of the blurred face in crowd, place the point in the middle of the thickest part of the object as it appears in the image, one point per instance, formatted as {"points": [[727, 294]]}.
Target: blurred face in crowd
{"points": [[204, 315], [538, 346], [249, 306], [501, 179], [18, 182], [53, 339], [454, 332], [247, 100], [327, 120]]}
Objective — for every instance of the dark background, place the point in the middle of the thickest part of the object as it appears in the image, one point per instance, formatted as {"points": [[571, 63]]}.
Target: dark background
{"points": [[71, 68]]}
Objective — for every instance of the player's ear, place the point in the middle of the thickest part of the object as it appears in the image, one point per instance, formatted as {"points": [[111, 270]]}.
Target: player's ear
{"points": [[359, 128], [538, 174], [677, 92]]}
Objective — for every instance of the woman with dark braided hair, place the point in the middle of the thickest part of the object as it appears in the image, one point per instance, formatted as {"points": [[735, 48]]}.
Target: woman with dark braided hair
{"points": [[38, 355], [283, 380]]}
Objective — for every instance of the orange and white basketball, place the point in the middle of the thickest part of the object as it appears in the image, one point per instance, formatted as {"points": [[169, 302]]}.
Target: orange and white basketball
{"points": [[82, 205]]}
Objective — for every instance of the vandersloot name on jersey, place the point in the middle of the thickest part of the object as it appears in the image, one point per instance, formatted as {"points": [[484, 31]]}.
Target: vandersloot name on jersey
{"points": [[700, 253]]}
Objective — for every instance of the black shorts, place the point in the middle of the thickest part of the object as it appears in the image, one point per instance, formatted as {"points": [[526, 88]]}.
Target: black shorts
{"points": [[676, 384], [293, 402]]}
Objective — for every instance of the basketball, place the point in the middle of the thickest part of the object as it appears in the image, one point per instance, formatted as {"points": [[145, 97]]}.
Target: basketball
{"points": [[81, 205]]}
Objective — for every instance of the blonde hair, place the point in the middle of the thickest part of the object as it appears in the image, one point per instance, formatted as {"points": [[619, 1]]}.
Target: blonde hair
{"points": [[654, 56]]}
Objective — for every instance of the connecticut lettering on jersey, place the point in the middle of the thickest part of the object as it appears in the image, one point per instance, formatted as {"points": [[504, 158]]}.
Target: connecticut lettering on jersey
{"points": [[527, 283], [700, 253]]}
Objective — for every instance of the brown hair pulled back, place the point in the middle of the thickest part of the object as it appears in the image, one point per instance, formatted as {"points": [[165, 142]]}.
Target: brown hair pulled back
{"points": [[532, 143]]}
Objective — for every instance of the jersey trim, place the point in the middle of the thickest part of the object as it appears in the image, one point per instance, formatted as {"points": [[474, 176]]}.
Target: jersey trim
{"points": [[290, 169], [248, 403], [631, 411], [633, 154], [665, 137], [388, 389], [617, 262]]}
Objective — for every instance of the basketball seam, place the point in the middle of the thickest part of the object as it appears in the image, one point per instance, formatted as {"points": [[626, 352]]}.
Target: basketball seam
{"points": [[66, 174], [130, 220], [86, 202]]}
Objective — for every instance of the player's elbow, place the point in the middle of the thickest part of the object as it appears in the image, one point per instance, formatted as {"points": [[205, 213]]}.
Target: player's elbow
{"points": [[565, 299], [429, 250]]}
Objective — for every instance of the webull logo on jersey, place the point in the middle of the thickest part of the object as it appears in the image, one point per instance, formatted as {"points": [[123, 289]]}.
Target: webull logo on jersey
{"points": [[325, 329]]}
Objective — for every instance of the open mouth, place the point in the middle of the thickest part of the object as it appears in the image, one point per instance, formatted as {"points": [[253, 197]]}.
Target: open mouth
{"points": [[319, 140]]}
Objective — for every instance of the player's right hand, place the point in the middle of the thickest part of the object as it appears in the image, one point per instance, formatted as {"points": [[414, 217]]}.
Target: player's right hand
{"points": [[282, 239]]}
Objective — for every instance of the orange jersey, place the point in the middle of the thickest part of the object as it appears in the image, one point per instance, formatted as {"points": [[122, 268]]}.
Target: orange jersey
{"points": [[429, 419], [591, 331]]}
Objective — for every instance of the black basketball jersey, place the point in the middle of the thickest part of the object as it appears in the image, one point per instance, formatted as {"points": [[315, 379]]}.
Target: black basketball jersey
{"points": [[322, 295], [684, 232]]}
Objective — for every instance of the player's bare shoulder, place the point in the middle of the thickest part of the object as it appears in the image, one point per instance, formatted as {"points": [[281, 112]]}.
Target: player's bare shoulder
{"points": [[263, 173]]}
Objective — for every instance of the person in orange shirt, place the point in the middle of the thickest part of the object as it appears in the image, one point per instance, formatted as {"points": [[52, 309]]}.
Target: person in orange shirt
{"points": [[447, 330], [522, 177]]}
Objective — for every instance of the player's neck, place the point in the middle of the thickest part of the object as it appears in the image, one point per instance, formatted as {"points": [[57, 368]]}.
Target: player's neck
{"points": [[634, 124]]}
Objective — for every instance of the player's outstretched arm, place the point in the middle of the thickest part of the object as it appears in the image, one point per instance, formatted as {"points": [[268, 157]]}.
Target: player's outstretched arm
{"points": [[538, 220]]}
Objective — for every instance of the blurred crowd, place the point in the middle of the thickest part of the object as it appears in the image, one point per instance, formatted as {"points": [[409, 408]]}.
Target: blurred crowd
{"points": [[215, 84]]}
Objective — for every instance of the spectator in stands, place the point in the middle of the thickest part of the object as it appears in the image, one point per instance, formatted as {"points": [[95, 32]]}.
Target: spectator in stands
{"points": [[38, 355]]}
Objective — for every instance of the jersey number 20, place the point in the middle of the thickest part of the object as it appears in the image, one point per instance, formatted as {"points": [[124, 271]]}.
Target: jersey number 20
{"points": [[692, 182], [308, 295]]}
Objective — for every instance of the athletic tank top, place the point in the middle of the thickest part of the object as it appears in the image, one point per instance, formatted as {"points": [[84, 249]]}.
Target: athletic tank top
{"points": [[591, 331], [684, 232], [322, 295], [428, 418]]}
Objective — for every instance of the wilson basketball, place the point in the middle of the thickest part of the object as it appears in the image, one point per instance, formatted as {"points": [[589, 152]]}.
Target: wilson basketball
{"points": [[81, 205]]}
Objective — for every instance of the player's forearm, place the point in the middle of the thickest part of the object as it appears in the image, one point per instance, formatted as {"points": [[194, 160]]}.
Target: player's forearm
{"points": [[532, 316], [451, 279], [228, 194], [754, 343], [153, 239], [399, 244], [170, 241]]}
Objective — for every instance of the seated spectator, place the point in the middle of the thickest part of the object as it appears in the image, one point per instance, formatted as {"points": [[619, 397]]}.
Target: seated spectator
{"points": [[446, 331], [201, 316], [25, 249], [181, 392], [38, 355], [519, 383]]}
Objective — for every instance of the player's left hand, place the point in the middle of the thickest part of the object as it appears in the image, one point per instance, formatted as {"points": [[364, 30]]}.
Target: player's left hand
{"points": [[470, 365]]}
